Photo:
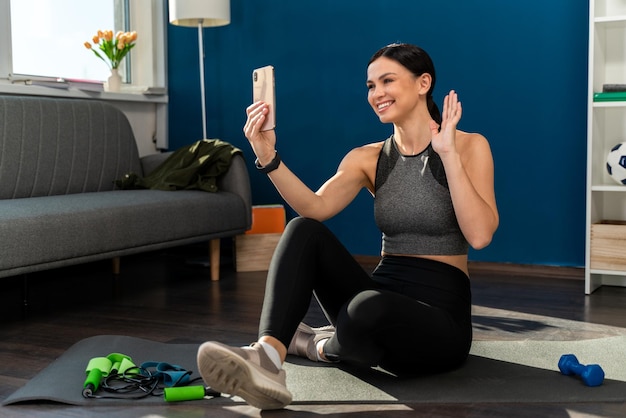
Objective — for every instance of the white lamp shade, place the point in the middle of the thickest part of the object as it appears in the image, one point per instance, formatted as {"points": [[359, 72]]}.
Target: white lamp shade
{"points": [[192, 12]]}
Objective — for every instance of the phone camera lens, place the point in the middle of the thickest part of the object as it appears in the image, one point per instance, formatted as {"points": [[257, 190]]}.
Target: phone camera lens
{"points": [[256, 76]]}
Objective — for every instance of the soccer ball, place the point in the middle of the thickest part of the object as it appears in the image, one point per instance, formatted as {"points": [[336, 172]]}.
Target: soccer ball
{"points": [[616, 163]]}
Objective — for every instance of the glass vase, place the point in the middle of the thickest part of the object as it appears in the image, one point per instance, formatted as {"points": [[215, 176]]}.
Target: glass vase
{"points": [[114, 82]]}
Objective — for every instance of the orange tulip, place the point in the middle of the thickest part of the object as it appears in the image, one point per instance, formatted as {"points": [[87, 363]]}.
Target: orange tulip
{"points": [[112, 48]]}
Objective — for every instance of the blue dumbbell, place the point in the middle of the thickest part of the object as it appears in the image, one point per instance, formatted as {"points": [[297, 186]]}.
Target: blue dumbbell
{"points": [[592, 374]]}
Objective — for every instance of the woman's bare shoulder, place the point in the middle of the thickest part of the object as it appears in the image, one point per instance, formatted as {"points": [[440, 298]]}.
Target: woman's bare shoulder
{"points": [[368, 149], [471, 141], [364, 156], [474, 148]]}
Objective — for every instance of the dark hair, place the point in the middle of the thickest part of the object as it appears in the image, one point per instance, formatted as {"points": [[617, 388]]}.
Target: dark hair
{"points": [[418, 62]]}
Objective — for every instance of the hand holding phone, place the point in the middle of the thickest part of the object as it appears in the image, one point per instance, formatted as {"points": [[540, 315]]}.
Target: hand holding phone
{"points": [[263, 90]]}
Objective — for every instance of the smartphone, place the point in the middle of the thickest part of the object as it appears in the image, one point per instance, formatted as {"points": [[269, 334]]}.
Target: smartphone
{"points": [[263, 89]]}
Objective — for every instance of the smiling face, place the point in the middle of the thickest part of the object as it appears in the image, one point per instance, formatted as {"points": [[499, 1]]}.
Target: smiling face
{"points": [[394, 92]]}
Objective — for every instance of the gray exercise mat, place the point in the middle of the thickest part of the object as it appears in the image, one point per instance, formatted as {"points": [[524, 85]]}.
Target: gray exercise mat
{"points": [[481, 380]]}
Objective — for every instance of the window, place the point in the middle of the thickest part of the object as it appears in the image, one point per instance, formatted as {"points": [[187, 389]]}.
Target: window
{"points": [[50, 41], [46, 37]]}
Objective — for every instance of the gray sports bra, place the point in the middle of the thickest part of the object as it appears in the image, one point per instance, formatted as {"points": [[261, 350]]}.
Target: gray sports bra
{"points": [[412, 204]]}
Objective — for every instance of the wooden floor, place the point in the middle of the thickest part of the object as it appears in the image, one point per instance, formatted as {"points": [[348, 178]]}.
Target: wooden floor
{"points": [[167, 297]]}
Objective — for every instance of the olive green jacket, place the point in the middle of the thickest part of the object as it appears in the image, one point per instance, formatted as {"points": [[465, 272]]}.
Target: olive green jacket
{"points": [[192, 167]]}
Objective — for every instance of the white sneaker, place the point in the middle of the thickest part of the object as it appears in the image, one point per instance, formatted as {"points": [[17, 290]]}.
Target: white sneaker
{"points": [[304, 341], [246, 372]]}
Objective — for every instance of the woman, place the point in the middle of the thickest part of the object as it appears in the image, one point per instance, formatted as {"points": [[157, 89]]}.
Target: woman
{"points": [[433, 197]]}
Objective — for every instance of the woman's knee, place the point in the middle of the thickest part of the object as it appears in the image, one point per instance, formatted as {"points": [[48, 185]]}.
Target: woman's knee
{"points": [[301, 224], [366, 308], [299, 237], [300, 230], [295, 231]]}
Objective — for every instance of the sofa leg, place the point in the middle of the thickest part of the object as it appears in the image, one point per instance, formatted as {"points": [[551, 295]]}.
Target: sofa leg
{"points": [[115, 262], [214, 258]]}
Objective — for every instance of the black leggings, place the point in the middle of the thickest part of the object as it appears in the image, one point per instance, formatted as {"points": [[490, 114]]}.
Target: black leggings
{"points": [[411, 316]]}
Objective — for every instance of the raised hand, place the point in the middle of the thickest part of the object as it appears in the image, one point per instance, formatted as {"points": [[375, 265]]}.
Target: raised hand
{"points": [[263, 143], [443, 140]]}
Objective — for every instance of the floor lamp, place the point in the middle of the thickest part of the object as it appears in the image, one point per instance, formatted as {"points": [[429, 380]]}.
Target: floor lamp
{"points": [[200, 14]]}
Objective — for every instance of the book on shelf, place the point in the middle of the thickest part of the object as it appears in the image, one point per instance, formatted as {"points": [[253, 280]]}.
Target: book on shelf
{"points": [[89, 85], [155, 90], [610, 96], [612, 88], [57, 82], [147, 90], [29, 80]]}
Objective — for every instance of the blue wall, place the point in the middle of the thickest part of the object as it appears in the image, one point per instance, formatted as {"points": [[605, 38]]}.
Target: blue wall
{"points": [[520, 69]]}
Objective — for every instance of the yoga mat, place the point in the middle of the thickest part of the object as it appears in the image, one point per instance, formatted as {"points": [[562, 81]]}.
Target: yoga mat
{"points": [[525, 371], [491, 324]]}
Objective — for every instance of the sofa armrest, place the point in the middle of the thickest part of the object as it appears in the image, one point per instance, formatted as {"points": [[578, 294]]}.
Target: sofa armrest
{"points": [[237, 180], [152, 161]]}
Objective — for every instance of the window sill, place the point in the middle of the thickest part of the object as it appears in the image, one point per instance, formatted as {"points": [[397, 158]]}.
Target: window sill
{"points": [[128, 93]]}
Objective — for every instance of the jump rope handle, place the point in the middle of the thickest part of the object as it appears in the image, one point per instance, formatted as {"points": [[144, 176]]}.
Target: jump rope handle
{"points": [[187, 393]]}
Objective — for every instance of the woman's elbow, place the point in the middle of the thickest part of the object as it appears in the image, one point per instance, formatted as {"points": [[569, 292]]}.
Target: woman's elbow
{"points": [[478, 243], [482, 239]]}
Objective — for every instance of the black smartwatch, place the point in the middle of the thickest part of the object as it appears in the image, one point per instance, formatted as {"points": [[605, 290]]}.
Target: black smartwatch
{"points": [[271, 166]]}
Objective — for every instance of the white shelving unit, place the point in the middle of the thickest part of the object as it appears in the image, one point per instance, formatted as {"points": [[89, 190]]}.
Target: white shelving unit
{"points": [[606, 199]]}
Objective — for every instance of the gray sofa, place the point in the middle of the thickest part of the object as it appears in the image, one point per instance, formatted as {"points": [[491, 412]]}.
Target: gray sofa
{"points": [[59, 206]]}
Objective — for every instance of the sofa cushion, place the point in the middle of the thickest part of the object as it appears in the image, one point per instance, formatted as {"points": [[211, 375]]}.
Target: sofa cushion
{"points": [[41, 230]]}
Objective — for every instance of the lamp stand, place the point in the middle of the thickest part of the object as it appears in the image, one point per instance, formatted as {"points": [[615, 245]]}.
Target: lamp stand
{"points": [[202, 92]]}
